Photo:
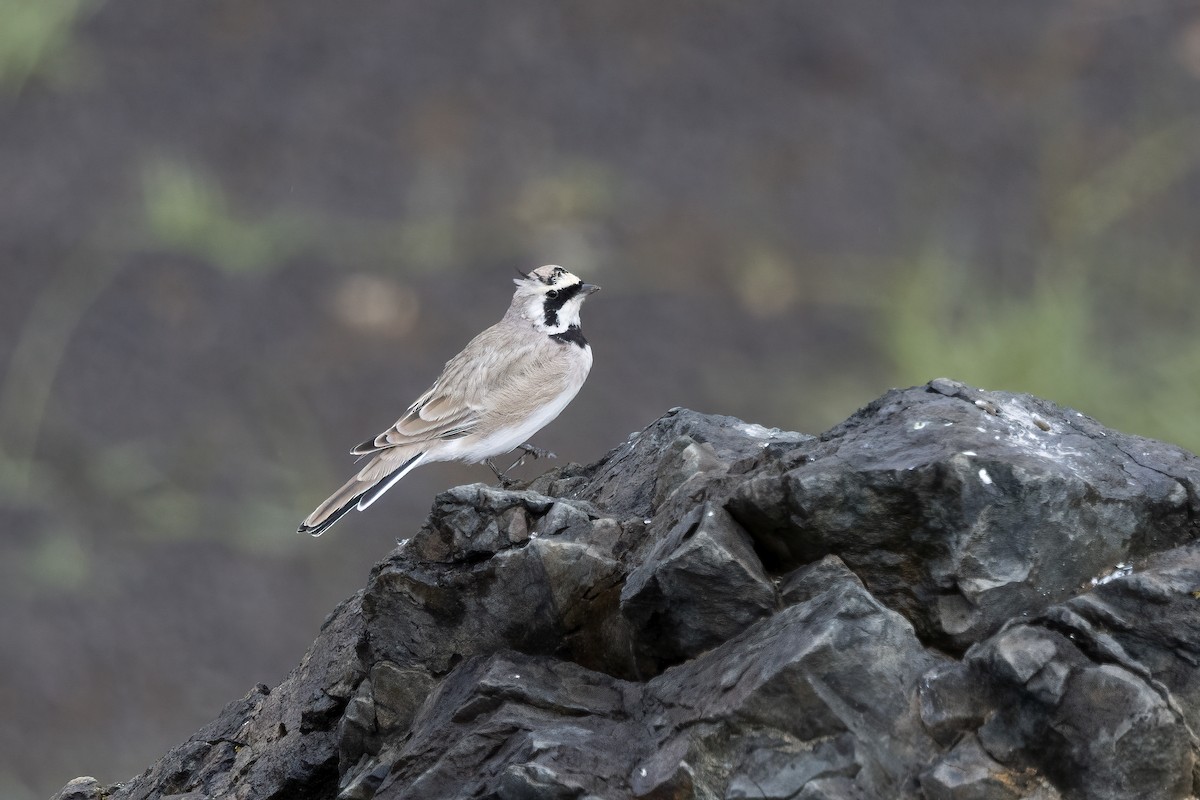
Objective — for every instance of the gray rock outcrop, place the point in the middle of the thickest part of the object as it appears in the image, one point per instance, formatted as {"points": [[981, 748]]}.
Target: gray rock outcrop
{"points": [[953, 595]]}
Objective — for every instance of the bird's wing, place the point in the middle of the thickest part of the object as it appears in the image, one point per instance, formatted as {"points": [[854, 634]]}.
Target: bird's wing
{"points": [[440, 413], [453, 406]]}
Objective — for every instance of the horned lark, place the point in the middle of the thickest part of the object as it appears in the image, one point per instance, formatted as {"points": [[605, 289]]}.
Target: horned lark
{"points": [[507, 384]]}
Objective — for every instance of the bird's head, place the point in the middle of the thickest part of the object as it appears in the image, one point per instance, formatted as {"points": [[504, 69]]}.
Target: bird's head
{"points": [[550, 297]]}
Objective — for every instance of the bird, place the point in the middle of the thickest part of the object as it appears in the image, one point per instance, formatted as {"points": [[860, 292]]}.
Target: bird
{"points": [[508, 383]]}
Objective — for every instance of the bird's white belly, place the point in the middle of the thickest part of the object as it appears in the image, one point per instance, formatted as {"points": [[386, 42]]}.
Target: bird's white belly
{"points": [[507, 439]]}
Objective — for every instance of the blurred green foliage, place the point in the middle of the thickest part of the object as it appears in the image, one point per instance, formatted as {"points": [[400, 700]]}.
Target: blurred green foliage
{"points": [[37, 40], [1154, 163], [1119, 341], [188, 212], [1052, 341], [184, 212], [28, 381], [59, 560]]}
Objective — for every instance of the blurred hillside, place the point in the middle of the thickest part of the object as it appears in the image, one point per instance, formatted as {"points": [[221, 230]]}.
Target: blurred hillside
{"points": [[239, 236]]}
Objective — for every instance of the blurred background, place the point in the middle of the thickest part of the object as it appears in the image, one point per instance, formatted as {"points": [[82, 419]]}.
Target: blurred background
{"points": [[239, 236]]}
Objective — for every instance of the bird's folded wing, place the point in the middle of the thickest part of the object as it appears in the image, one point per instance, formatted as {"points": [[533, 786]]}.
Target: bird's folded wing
{"points": [[489, 367], [434, 416], [452, 406]]}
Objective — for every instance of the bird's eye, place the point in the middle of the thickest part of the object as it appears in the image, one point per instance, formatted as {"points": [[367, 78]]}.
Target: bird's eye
{"points": [[552, 293]]}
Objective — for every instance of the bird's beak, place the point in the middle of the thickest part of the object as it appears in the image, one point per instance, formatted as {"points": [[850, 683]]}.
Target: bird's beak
{"points": [[588, 288]]}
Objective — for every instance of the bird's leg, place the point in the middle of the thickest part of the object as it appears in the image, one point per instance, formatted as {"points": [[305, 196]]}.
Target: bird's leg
{"points": [[505, 481], [530, 450]]}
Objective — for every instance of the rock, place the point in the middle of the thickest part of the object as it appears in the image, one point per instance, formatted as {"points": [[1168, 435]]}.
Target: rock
{"points": [[538, 711], [950, 705], [1152, 617], [1099, 729], [831, 789], [473, 523], [633, 480], [384, 704], [954, 595], [806, 582], [553, 592], [778, 774], [1120, 738], [838, 665], [700, 586], [967, 772], [86, 788], [533, 782], [963, 509]]}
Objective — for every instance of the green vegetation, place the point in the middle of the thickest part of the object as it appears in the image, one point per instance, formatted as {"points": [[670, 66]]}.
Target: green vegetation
{"points": [[1056, 341], [188, 212], [185, 212], [1120, 341], [37, 40], [28, 383]]}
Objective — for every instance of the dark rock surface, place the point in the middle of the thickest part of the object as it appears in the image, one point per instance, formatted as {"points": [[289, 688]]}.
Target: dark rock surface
{"points": [[954, 595]]}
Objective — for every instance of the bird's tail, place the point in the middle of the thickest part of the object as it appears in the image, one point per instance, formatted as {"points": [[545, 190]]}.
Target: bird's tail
{"points": [[360, 491]]}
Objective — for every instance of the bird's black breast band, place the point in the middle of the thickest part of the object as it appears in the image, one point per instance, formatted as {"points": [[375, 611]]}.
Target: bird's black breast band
{"points": [[572, 335]]}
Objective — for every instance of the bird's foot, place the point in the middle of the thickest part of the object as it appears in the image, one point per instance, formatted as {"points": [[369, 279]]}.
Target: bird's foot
{"points": [[536, 452], [505, 481], [530, 450]]}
